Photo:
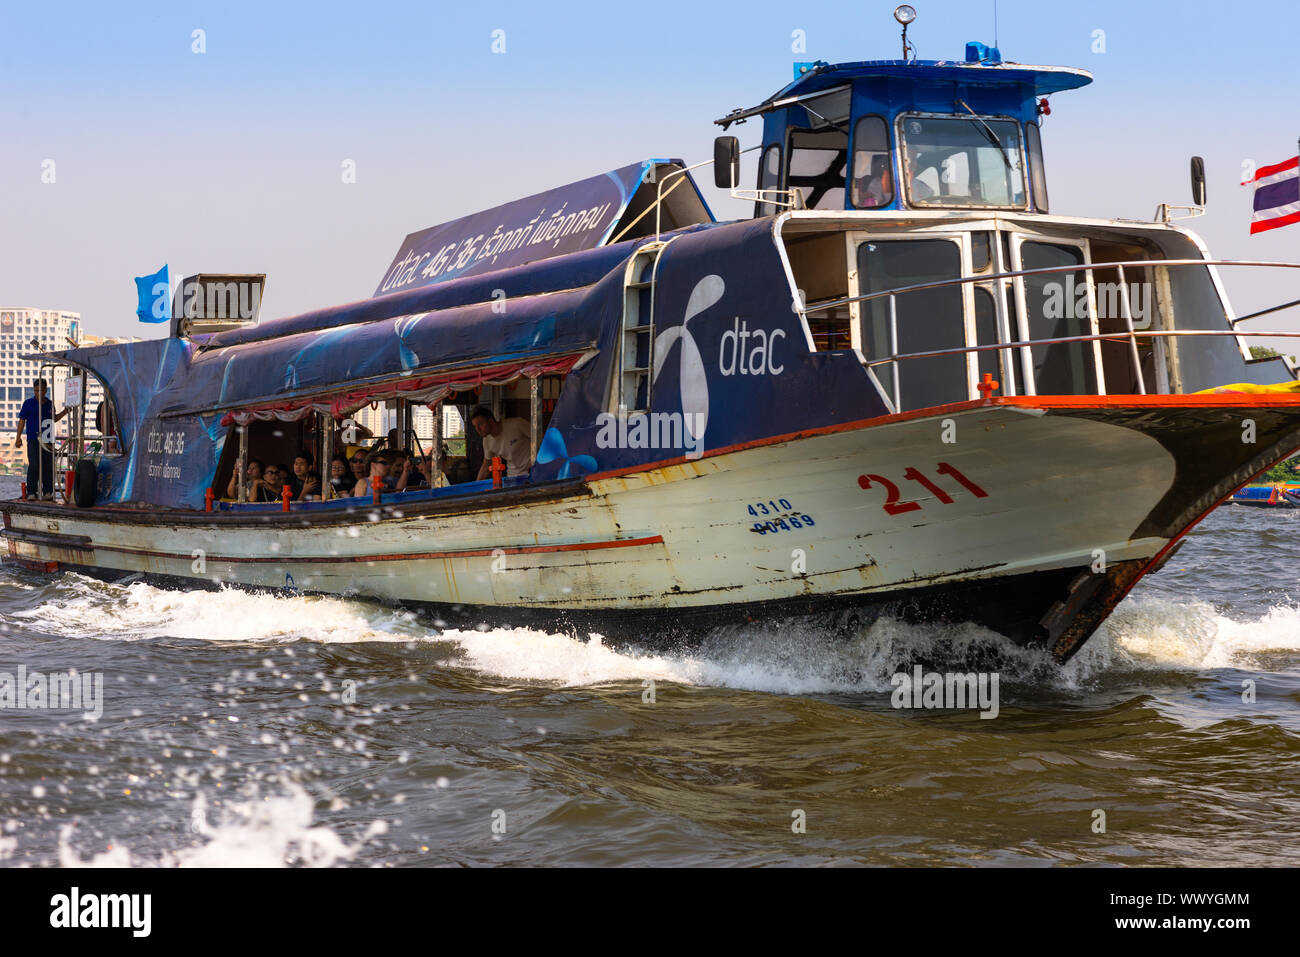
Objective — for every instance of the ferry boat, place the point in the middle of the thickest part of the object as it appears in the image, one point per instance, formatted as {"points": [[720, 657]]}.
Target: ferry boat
{"points": [[1281, 495], [897, 384]]}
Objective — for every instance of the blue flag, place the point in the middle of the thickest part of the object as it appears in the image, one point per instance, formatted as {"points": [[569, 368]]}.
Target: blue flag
{"points": [[154, 294]]}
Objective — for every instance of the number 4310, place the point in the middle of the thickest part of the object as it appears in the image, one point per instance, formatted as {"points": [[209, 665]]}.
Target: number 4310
{"points": [[892, 504]]}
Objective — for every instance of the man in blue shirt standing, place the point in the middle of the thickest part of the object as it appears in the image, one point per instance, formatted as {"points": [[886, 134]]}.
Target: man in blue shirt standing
{"points": [[38, 415]]}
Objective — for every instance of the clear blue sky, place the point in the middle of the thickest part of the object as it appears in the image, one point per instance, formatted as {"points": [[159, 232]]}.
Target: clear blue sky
{"points": [[230, 160]]}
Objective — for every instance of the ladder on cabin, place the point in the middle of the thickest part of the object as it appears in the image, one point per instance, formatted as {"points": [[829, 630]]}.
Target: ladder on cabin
{"points": [[636, 345]]}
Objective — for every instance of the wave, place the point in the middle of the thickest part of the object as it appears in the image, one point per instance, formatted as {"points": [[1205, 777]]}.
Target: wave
{"points": [[778, 657]]}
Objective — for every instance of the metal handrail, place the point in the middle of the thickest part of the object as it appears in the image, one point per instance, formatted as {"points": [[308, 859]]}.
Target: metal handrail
{"points": [[1130, 335], [1101, 337], [1079, 267]]}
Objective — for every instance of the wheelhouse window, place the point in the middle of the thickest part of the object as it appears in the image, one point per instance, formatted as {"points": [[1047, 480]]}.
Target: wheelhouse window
{"points": [[817, 162], [962, 161], [873, 176], [1037, 173]]}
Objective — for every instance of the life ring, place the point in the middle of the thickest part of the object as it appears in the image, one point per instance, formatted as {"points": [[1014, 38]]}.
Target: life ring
{"points": [[85, 483]]}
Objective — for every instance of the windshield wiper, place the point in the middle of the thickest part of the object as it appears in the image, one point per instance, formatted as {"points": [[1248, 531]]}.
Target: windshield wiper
{"points": [[988, 132], [842, 129]]}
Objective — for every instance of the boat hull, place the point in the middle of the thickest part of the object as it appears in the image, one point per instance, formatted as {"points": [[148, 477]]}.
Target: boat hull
{"points": [[1032, 517]]}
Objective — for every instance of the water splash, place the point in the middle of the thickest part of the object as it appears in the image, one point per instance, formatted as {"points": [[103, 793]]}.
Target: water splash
{"points": [[274, 832], [776, 657], [1159, 634], [136, 611]]}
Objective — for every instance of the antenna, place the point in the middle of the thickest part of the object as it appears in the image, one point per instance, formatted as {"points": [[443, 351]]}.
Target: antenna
{"points": [[995, 25]]}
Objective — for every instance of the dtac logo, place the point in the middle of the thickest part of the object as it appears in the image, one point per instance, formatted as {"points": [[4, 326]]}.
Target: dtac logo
{"points": [[691, 375], [751, 353], [742, 351]]}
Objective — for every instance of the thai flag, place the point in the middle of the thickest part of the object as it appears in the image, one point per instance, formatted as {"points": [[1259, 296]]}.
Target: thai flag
{"points": [[1277, 195]]}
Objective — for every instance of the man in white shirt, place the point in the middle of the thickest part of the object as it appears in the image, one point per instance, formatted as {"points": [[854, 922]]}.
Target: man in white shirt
{"points": [[512, 440]]}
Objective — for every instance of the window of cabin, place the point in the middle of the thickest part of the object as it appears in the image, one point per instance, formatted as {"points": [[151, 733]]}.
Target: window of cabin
{"points": [[873, 175], [816, 167], [819, 263], [1058, 308], [1113, 300], [769, 178], [927, 320], [1037, 172], [962, 161]]}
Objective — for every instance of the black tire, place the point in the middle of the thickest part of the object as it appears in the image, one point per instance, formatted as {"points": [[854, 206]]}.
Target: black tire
{"points": [[84, 484]]}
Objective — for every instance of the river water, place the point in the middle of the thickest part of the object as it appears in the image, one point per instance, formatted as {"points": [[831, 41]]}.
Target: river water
{"points": [[272, 730]]}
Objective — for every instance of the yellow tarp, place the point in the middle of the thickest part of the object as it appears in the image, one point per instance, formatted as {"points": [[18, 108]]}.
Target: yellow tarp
{"points": [[1251, 387]]}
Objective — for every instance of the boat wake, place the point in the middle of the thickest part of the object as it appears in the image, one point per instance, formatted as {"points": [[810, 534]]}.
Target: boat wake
{"points": [[776, 657], [126, 612]]}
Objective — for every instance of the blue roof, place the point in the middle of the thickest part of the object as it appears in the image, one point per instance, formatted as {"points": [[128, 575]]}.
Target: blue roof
{"points": [[1045, 79]]}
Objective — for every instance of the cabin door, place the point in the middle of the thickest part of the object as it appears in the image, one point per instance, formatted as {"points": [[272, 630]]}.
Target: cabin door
{"points": [[941, 319], [1056, 305]]}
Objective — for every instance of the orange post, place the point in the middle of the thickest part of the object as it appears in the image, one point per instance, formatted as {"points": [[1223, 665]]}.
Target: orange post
{"points": [[208, 496], [24, 492], [376, 487], [69, 480], [498, 470], [285, 498], [987, 386]]}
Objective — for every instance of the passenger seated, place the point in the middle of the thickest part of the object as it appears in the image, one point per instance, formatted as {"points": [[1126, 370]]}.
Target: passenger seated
{"points": [[511, 440], [341, 480], [877, 187], [360, 468], [252, 478], [428, 473], [409, 475], [268, 489], [303, 484], [285, 478], [378, 467]]}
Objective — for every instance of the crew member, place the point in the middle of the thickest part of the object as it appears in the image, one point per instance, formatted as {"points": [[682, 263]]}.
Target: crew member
{"points": [[512, 440], [36, 414]]}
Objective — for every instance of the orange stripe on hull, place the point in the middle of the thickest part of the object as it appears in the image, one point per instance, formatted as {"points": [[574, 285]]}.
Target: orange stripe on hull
{"points": [[1236, 400]]}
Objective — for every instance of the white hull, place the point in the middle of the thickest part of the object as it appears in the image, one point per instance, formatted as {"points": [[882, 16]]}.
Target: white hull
{"points": [[1021, 498], [683, 535]]}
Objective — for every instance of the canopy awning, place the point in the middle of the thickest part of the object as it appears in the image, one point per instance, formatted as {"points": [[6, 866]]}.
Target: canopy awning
{"points": [[423, 390], [410, 353]]}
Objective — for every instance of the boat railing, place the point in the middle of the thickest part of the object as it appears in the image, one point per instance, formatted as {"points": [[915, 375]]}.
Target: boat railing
{"points": [[1130, 334]]}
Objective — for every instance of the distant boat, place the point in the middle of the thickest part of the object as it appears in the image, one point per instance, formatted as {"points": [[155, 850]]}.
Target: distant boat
{"points": [[1283, 495]]}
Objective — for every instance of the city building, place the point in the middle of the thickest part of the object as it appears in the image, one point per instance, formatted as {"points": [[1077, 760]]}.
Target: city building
{"points": [[24, 331], [381, 419]]}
